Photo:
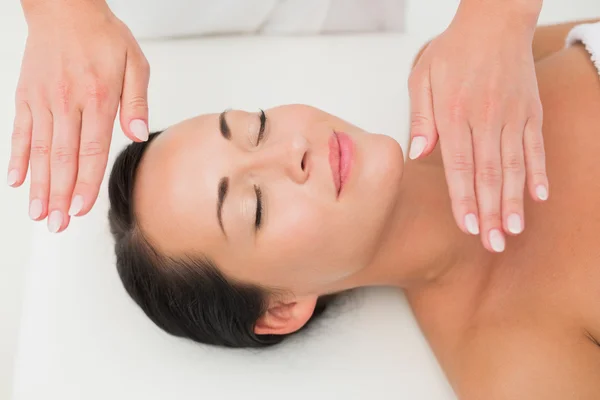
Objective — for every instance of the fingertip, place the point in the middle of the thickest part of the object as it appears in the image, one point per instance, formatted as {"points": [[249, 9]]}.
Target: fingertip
{"points": [[13, 179], [55, 221], [541, 192], [471, 224], [514, 224], [496, 240], [76, 207], [139, 130], [417, 147], [36, 209]]}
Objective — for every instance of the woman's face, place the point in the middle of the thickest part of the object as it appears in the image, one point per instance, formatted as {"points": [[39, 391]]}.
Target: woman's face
{"points": [[263, 203]]}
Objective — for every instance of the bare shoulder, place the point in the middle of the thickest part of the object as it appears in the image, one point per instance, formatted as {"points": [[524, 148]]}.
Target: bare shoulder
{"points": [[569, 87], [526, 363]]}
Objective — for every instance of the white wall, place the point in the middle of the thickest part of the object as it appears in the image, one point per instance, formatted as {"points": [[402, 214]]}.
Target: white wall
{"points": [[14, 225], [425, 17]]}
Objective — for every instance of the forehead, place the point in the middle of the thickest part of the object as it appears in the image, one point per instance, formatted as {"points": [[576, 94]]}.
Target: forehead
{"points": [[176, 185]]}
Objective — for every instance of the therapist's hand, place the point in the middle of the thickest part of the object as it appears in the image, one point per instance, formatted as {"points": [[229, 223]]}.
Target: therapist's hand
{"points": [[475, 88], [80, 63]]}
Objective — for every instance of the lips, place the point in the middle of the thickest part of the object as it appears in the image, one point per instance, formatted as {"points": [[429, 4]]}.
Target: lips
{"points": [[341, 151]]}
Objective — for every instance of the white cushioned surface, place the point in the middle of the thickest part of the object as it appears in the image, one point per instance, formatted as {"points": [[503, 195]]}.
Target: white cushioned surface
{"points": [[83, 338]]}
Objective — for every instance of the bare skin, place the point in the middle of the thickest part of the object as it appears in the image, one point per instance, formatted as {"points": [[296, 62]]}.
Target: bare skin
{"points": [[527, 325]]}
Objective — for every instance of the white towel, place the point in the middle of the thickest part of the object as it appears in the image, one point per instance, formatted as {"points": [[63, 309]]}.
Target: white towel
{"points": [[589, 35], [149, 19]]}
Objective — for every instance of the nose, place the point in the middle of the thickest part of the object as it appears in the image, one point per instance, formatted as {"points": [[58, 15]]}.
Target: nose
{"points": [[289, 157]]}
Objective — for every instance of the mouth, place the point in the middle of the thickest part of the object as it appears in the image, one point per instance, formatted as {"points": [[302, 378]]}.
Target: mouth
{"points": [[341, 149]]}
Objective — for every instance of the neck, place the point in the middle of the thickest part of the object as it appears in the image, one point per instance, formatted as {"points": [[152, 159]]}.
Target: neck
{"points": [[422, 243]]}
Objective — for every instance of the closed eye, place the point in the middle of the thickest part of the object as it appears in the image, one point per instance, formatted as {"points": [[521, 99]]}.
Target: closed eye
{"points": [[259, 208], [263, 124]]}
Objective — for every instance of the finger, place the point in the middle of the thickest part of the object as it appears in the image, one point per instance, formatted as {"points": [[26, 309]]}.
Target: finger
{"points": [[96, 133], [20, 145], [39, 159], [134, 98], [488, 186], [513, 179], [63, 167], [423, 132], [457, 155], [535, 160]]}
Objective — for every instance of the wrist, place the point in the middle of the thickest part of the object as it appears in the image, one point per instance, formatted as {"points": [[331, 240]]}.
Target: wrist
{"points": [[44, 7], [517, 15]]}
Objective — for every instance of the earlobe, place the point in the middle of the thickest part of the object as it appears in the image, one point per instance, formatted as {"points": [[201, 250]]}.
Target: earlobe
{"points": [[283, 318]]}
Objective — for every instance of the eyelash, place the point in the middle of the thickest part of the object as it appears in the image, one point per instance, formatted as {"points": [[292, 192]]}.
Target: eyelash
{"points": [[259, 208], [263, 123], [257, 191]]}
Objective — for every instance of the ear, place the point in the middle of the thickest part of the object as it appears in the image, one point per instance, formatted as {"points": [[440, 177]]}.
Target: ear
{"points": [[283, 317]]}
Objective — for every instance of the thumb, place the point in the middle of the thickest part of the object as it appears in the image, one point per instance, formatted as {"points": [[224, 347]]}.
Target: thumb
{"points": [[134, 98], [423, 132]]}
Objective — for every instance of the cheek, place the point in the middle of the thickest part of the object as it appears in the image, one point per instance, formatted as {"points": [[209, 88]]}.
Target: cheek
{"points": [[297, 223], [304, 245]]}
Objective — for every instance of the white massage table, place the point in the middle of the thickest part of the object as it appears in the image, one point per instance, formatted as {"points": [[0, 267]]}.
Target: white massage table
{"points": [[81, 336]]}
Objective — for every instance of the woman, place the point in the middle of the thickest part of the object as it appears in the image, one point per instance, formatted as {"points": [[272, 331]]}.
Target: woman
{"points": [[466, 90], [233, 229]]}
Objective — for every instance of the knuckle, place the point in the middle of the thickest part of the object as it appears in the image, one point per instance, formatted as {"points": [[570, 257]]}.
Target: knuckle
{"points": [[536, 147], [488, 108], [39, 149], [489, 174], [19, 151], [96, 91], [464, 201], [512, 162], [63, 155], [461, 162], [137, 103], [19, 133], [456, 110], [63, 94], [419, 120], [92, 149]]}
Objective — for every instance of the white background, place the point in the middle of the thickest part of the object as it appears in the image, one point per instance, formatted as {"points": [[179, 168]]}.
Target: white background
{"points": [[423, 18]]}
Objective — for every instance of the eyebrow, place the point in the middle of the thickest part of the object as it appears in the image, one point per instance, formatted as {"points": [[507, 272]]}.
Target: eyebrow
{"points": [[221, 194], [223, 127]]}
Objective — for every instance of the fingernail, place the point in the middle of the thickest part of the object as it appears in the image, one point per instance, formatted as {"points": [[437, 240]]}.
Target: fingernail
{"points": [[515, 225], [542, 192], [417, 147], [497, 240], [35, 209], [13, 176], [471, 224], [139, 129], [76, 205], [55, 221]]}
